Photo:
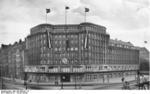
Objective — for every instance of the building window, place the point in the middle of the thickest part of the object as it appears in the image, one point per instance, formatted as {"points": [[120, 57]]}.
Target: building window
{"points": [[44, 36], [44, 41], [55, 49], [94, 76], [71, 49], [75, 48], [48, 54]]}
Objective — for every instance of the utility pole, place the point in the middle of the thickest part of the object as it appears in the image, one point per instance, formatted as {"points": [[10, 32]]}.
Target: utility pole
{"points": [[62, 82], [1, 76], [138, 72], [62, 85], [138, 79], [75, 82], [25, 80]]}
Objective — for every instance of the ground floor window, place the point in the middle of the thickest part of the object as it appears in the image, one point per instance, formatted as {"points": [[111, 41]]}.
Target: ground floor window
{"points": [[77, 77]]}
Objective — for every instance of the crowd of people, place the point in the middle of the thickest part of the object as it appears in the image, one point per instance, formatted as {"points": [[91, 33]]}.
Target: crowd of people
{"points": [[143, 83]]}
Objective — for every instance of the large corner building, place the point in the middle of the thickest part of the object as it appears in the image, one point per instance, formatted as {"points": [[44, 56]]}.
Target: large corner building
{"points": [[81, 53]]}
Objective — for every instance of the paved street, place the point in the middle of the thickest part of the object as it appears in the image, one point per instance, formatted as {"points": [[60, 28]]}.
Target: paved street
{"points": [[114, 86], [19, 84]]}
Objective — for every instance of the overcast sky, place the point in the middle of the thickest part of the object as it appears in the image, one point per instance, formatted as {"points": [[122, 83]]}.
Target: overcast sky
{"points": [[126, 20]]}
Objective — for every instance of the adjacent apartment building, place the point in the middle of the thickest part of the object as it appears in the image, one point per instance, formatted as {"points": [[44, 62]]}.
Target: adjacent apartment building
{"points": [[12, 60]]}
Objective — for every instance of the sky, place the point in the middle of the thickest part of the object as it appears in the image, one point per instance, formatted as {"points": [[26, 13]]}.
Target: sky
{"points": [[126, 20]]}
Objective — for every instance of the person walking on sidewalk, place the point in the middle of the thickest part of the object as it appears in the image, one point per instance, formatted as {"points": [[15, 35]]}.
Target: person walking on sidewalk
{"points": [[122, 79], [124, 83], [128, 85]]}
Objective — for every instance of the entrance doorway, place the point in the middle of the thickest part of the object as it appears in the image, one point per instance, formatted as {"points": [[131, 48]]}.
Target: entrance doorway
{"points": [[65, 78]]}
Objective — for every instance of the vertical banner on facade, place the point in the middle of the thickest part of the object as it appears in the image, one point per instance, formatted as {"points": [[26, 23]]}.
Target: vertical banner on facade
{"points": [[86, 40], [67, 44], [48, 40]]}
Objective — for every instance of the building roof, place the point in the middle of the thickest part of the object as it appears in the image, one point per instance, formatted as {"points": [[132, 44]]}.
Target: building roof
{"points": [[120, 42], [142, 49], [84, 23], [39, 28]]}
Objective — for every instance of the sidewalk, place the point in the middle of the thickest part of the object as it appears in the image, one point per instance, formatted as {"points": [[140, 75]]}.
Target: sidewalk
{"points": [[111, 81], [14, 86], [46, 86]]}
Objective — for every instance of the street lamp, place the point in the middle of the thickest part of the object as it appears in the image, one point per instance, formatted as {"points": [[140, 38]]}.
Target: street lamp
{"points": [[138, 79], [63, 77], [25, 79], [75, 82]]}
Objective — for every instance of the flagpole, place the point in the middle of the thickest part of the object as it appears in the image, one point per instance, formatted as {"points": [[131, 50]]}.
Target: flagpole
{"points": [[66, 7], [86, 10], [46, 18], [65, 16], [47, 11], [85, 17]]}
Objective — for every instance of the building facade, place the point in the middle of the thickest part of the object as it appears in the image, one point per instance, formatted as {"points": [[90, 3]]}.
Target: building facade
{"points": [[12, 60], [16, 60], [79, 53], [144, 59], [123, 59], [4, 60]]}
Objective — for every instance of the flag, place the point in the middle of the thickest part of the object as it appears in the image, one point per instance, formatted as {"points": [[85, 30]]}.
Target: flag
{"points": [[48, 40], [86, 40], [66, 7], [87, 9], [48, 10], [145, 41]]}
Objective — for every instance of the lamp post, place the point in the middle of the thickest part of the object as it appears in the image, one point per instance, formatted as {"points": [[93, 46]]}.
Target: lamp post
{"points": [[138, 72], [1, 67], [62, 79], [25, 80], [62, 85], [75, 82], [138, 79]]}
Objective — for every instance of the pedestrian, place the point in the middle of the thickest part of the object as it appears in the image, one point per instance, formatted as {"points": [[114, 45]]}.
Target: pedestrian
{"points": [[122, 79], [124, 85], [128, 85], [142, 82], [56, 83], [145, 83]]}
